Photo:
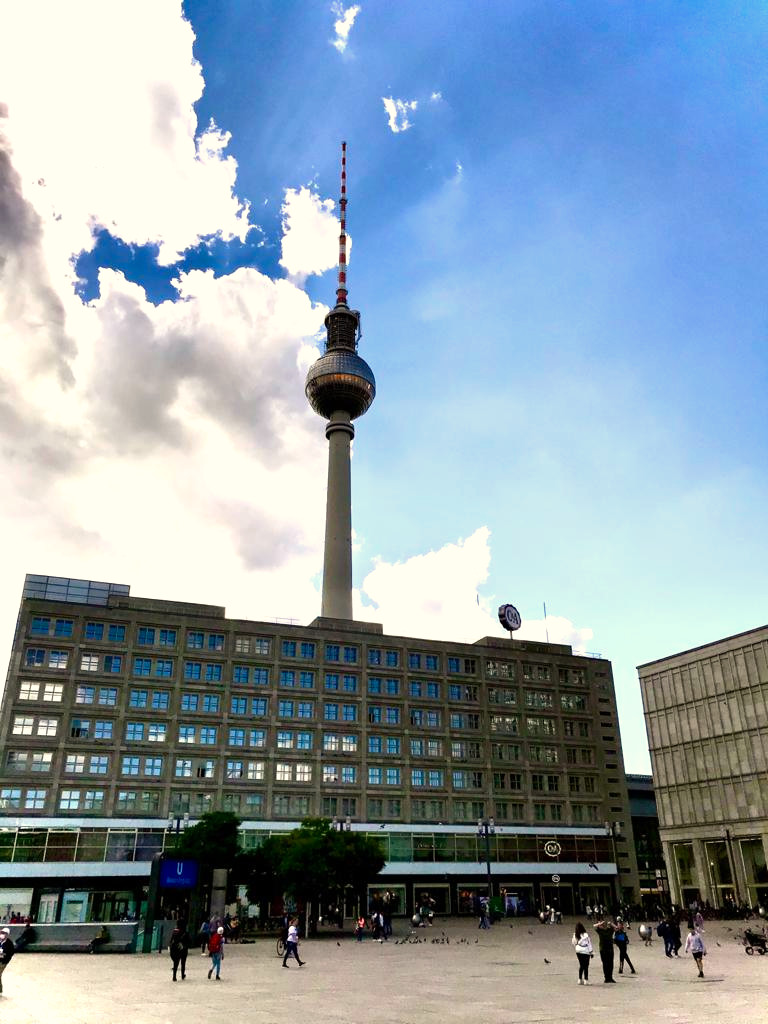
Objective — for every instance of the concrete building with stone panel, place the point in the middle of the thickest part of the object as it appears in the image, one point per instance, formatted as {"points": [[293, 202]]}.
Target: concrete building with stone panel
{"points": [[706, 715]]}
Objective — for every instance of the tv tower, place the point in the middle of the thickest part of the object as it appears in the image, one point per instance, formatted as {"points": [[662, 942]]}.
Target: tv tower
{"points": [[340, 387]]}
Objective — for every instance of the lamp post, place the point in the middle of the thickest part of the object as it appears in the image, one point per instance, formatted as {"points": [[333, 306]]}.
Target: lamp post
{"points": [[177, 823], [341, 826], [613, 829], [486, 827], [726, 832]]}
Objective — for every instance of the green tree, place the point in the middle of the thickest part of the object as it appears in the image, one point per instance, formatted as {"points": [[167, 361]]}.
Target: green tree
{"points": [[213, 842]]}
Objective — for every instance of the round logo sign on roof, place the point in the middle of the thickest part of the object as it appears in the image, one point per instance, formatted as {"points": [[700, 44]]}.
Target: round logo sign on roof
{"points": [[552, 848], [556, 879], [509, 617]]}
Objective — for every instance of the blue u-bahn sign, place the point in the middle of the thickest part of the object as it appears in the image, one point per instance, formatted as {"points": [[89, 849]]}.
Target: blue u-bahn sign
{"points": [[178, 874]]}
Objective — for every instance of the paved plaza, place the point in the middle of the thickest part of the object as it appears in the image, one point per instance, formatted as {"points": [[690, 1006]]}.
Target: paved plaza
{"points": [[495, 977]]}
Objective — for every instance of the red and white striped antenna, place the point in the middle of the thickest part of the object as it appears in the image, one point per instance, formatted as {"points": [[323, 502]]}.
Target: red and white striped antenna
{"points": [[341, 290]]}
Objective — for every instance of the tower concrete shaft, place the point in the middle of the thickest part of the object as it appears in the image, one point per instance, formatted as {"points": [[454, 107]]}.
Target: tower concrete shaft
{"points": [[337, 559], [340, 387]]}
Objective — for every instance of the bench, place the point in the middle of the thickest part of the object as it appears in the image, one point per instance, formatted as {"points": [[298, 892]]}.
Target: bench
{"points": [[77, 938]]}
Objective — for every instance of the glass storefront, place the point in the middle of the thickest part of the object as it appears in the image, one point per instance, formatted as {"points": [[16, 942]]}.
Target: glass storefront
{"points": [[755, 871]]}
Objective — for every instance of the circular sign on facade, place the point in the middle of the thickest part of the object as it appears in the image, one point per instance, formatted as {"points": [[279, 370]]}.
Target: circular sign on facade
{"points": [[556, 879], [509, 617], [552, 848]]}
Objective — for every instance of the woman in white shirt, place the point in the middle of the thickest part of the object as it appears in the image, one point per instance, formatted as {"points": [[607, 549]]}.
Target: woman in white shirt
{"points": [[582, 943]]}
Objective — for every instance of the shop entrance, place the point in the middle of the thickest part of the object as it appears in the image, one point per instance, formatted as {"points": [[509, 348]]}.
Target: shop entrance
{"points": [[436, 898], [558, 896]]}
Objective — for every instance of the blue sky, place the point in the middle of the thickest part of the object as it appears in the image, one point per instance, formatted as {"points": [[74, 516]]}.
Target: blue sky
{"points": [[561, 268]]}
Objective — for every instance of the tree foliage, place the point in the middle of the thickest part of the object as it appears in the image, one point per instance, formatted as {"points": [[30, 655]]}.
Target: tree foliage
{"points": [[313, 861], [213, 841]]}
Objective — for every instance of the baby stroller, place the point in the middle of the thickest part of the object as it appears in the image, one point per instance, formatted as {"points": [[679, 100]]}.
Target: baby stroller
{"points": [[754, 941]]}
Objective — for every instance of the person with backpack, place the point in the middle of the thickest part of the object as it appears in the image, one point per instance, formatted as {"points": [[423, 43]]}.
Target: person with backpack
{"points": [[621, 942], [694, 945], [7, 949], [178, 948], [582, 943], [216, 952], [205, 932]]}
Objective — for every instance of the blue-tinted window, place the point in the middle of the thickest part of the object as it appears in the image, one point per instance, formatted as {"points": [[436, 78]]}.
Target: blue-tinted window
{"points": [[213, 673], [195, 640], [392, 687], [153, 766], [102, 730], [167, 638], [108, 696], [374, 776], [415, 688], [238, 705], [142, 666], [240, 674], [288, 648], [134, 731], [211, 703], [417, 776], [187, 733], [350, 655], [258, 706], [349, 712], [146, 636], [307, 680], [375, 744], [332, 652], [393, 659], [35, 656], [215, 641], [331, 681], [303, 740], [287, 678], [208, 734], [454, 691], [393, 745], [392, 716], [374, 685], [374, 656], [307, 650], [432, 663], [164, 668], [40, 626], [64, 627], [261, 677], [305, 709], [130, 765], [393, 776], [161, 700], [138, 699], [330, 712], [350, 684], [258, 737], [414, 661], [237, 737], [285, 708], [94, 631], [113, 662], [348, 773], [374, 713], [189, 701], [192, 669], [433, 690], [116, 633], [453, 664]]}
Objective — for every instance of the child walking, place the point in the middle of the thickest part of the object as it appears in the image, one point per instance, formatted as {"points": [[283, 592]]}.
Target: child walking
{"points": [[694, 945]]}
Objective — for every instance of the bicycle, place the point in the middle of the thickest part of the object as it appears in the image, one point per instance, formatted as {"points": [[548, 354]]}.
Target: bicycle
{"points": [[281, 946]]}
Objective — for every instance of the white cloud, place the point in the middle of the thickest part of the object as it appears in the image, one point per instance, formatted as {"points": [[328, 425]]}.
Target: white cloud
{"points": [[435, 97], [397, 112], [310, 242], [345, 19], [437, 596]]}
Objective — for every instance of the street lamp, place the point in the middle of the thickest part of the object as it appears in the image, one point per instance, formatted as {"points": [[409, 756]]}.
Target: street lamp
{"points": [[613, 829], [486, 827], [178, 823], [342, 826]]}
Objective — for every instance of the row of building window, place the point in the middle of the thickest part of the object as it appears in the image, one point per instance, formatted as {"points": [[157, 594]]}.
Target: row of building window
{"points": [[293, 805]]}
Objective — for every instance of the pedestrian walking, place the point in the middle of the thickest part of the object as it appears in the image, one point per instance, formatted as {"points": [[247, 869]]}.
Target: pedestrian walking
{"points": [[292, 943], [216, 952], [621, 942], [582, 943], [604, 929], [698, 922], [205, 934], [485, 921], [588, 912], [178, 948], [675, 939], [7, 949], [694, 945]]}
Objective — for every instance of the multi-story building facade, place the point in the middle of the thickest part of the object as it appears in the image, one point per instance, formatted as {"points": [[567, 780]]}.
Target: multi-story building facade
{"points": [[120, 712], [651, 869], [706, 712]]}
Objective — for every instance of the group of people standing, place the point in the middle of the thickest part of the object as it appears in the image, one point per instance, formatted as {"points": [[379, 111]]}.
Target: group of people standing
{"points": [[613, 935]]}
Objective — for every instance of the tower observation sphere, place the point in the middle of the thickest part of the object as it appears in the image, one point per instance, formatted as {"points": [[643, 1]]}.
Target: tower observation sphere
{"points": [[340, 387]]}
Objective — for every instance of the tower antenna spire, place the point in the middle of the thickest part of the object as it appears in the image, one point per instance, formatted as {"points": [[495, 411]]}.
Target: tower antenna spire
{"points": [[341, 290]]}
